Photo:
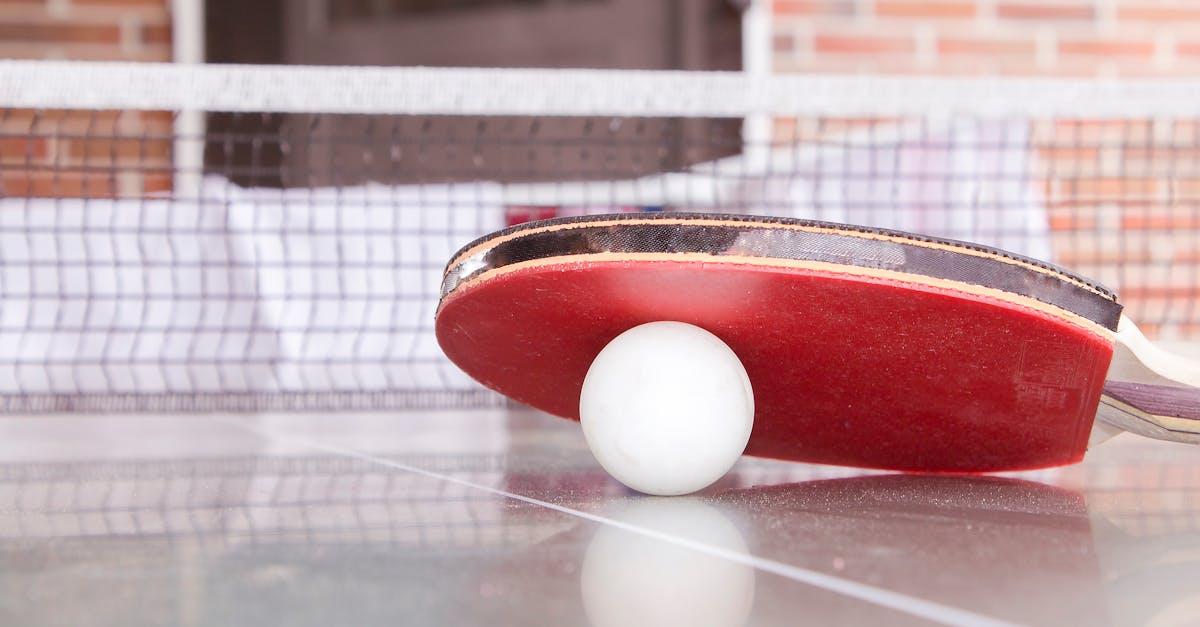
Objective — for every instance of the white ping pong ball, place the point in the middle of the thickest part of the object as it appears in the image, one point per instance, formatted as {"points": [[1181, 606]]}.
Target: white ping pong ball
{"points": [[667, 408]]}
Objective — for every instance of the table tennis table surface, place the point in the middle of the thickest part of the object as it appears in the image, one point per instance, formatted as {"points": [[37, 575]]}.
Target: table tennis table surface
{"points": [[500, 516]]}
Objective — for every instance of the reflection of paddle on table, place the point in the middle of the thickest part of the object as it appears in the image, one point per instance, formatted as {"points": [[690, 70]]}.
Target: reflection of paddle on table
{"points": [[864, 347]]}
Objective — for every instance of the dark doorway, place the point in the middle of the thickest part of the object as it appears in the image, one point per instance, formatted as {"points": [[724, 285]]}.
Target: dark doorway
{"points": [[305, 150]]}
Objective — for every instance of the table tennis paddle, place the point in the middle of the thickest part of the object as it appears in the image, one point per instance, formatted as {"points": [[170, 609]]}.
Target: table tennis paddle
{"points": [[864, 346]]}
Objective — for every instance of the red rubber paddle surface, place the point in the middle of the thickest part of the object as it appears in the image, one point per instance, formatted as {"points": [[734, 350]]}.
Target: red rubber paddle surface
{"points": [[850, 370]]}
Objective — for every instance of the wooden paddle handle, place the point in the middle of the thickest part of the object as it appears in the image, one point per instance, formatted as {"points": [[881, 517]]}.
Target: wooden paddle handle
{"points": [[1150, 391], [1158, 411]]}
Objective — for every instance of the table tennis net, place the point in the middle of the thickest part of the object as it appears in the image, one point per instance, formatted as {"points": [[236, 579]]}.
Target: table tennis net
{"points": [[236, 238]]}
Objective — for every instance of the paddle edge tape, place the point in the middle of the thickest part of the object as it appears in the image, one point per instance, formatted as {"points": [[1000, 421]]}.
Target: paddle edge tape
{"points": [[781, 242], [878, 275]]}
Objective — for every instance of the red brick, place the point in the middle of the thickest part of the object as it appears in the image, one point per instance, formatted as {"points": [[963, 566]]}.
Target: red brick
{"points": [[1187, 255], [1064, 202], [1115, 187], [1073, 221], [1101, 255], [1172, 221], [156, 34], [22, 9], [1152, 13], [156, 183], [854, 44], [785, 128], [127, 149], [1165, 153], [987, 64], [1185, 128], [73, 33], [83, 51], [1099, 132], [783, 43], [1080, 124], [985, 46], [121, 2], [17, 120], [1081, 67], [1049, 187], [50, 121], [30, 49], [1105, 48], [157, 119], [841, 125], [936, 10], [22, 149], [1039, 11], [1185, 189], [814, 7], [1151, 292], [1132, 67], [1069, 153], [847, 64], [58, 184]]}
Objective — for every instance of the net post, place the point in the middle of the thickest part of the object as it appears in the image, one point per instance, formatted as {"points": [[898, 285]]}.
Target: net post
{"points": [[187, 37], [757, 51]]}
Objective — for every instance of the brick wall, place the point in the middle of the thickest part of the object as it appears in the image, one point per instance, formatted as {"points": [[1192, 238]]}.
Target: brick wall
{"points": [[84, 153], [108, 30], [1123, 196], [990, 37], [1124, 206]]}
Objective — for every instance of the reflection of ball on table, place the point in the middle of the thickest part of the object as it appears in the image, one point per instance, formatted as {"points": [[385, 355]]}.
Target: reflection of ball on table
{"points": [[632, 579], [667, 408]]}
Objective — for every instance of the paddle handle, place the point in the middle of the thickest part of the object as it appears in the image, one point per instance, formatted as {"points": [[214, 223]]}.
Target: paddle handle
{"points": [[1151, 391], [1158, 411]]}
